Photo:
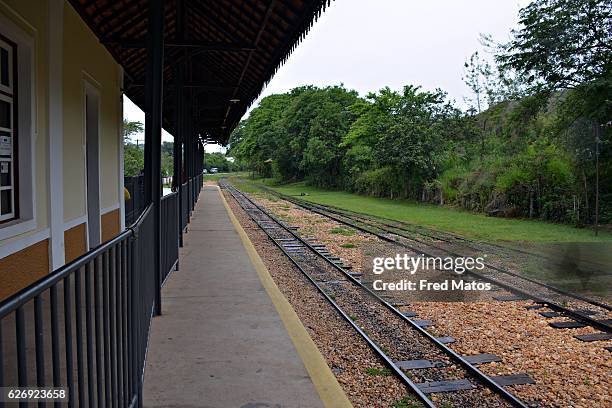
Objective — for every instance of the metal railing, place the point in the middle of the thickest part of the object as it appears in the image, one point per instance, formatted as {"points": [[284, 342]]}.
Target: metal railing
{"points": [[191, 195], [185, 204], [195, 186], [85, 327], [170, 234], [199, 181], [191, 191], [136, 204]]}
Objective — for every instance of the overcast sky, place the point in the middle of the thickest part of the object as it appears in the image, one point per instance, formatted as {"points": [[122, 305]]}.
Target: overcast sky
{"points": [[367, 45]]}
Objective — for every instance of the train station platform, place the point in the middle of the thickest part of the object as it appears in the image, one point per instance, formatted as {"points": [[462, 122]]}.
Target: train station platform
{"points": [[227, 337]]}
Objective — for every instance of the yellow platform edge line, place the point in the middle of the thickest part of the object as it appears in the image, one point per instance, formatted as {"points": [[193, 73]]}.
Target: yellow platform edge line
{"points": [[323, 379]]}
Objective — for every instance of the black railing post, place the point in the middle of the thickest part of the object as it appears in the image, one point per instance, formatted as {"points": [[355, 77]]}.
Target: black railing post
{"points": [[134, 327], [132, 317], [102, 302], [153, 125], [186, 139]]}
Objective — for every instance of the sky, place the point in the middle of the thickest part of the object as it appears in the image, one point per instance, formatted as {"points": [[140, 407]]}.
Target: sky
{"points": [[368, 45]]}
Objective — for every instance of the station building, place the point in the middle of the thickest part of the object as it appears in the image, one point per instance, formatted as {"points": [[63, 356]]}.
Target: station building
{"points": [[61, 177], [79, 289]]}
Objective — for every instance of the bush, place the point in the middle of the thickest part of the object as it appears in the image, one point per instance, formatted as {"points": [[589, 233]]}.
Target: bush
{"points": [[382, 182]]}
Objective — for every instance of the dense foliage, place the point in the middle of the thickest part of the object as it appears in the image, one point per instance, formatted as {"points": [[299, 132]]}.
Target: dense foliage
{"points": [[528, 148], [220, 162], [133, 153]]}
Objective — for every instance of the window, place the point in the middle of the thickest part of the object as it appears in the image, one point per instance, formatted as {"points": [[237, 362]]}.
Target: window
{"points": [[9, 202]]}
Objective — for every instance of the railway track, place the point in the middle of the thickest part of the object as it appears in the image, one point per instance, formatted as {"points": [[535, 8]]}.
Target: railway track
{"points": [[449, 238], [422, 362], [583, 310], [400, 229]]}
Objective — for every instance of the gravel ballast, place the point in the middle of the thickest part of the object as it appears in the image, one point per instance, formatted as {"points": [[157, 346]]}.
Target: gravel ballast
{"points": [[567, 371], [352, 361]]}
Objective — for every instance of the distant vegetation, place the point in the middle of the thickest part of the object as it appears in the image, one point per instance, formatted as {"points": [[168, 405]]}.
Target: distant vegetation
{"points": [[436, 217], [220, 161], [133, 154], [527, 147]]}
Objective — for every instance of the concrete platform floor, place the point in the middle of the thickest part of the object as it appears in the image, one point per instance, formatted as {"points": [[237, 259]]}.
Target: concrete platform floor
{"points": [[220, 341]]}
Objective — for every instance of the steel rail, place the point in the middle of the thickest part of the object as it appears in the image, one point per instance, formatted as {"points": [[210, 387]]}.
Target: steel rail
{"points": [[470, 243], [552, 305], [374, 223], [388, 361], [408, 227], [478, 374]]}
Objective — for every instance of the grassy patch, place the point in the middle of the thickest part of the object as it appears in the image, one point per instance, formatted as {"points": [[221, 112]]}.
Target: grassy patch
{"points": [[374, 371], [442, 218], [342, 231], [406, 402], [244, 185], [217, 176], [348, 245]]}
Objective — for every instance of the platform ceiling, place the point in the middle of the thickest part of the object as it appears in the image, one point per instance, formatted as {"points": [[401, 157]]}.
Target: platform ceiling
{"points": [[230, 49]]}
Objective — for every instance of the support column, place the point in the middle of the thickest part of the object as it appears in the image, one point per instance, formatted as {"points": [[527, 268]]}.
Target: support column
{"points": [[201, 166], [179, 119], [188, 153], [56, 136], [178, 136], [153, 126], [191, 172], [195, 164], [187, 161], [199, 161]]}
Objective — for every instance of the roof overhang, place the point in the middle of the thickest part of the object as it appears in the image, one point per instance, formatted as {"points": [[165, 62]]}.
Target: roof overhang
{"points": [[230, 50]]}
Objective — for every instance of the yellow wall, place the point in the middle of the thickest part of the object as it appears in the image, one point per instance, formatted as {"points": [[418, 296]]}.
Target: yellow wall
{"points": [[24, 267], [101, 71], [82, 57], [110, 225], [32, 18], [75, 242]]}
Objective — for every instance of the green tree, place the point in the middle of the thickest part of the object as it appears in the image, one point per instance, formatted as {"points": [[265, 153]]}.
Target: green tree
{"points": [[316, 121], [254, 141], [562, 43], [478, 77], [131, 129], [374, 115], [133, 160], [564, 49], [167, 159], [133, 155], [415, 143], [218, 160]]}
